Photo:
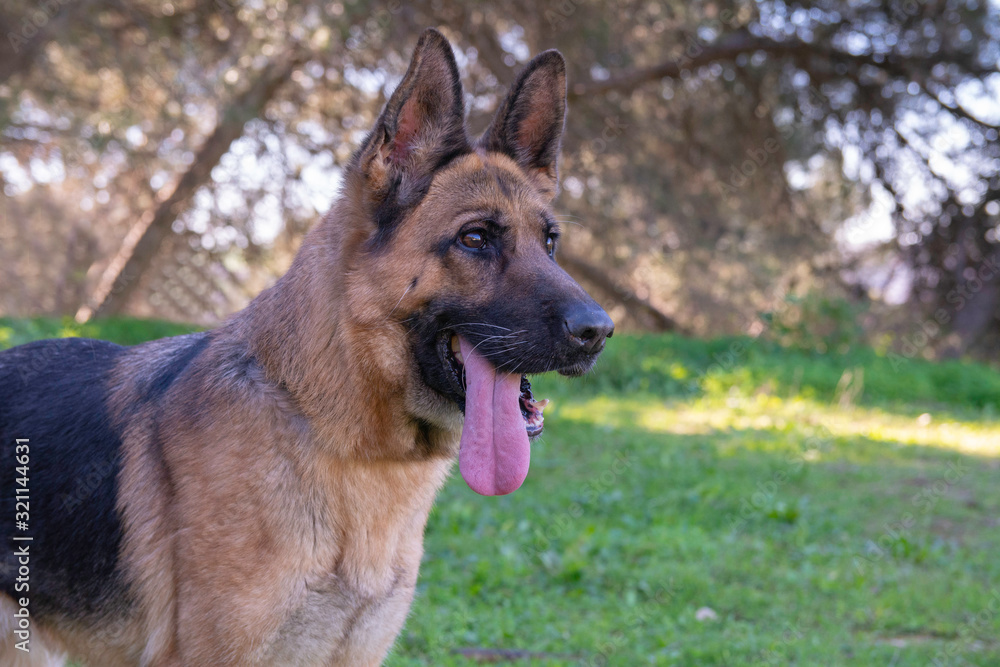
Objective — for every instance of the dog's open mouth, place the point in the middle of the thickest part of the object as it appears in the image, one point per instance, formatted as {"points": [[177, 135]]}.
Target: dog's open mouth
{"points": [[501, 414], [531, 409]]}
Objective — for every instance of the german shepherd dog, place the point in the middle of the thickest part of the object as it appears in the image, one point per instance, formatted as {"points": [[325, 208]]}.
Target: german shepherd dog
{"points": [[257, 494]]}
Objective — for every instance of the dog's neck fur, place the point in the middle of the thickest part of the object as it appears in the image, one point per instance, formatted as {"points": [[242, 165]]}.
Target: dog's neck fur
{"points": [[300, 332]]}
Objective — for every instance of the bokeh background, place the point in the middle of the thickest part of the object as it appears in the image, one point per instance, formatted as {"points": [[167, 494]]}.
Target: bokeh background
{"points": [[793, 206], [721, 158]]}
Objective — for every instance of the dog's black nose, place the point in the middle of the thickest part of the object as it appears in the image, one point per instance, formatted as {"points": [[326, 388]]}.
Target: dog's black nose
{"points": [[588, 325]]}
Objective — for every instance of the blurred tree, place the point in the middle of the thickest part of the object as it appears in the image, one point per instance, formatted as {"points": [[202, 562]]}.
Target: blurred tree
{"points": [[719, 155]]}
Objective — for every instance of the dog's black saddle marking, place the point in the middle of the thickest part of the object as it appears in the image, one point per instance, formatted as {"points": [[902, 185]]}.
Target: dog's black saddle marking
{"points": [[54, 393]]}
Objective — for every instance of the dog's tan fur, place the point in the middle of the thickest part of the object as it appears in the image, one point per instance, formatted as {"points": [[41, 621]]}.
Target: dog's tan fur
{"points": [[278, 518]]}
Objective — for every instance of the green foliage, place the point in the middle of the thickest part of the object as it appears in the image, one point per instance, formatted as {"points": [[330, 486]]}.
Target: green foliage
{"points": [[816, 322], [121, 330]]}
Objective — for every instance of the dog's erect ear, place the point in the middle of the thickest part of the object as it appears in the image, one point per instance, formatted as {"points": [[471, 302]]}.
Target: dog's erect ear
{"points": [[421, 127], [528, 125]]}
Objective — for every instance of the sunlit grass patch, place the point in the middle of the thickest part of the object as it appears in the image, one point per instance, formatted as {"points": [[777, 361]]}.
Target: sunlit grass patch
{"points": [[804, 418]]}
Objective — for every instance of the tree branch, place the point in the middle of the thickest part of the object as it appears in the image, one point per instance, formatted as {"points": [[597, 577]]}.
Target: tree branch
{"points": [[727, 48], [734, 44], [956, 109]]}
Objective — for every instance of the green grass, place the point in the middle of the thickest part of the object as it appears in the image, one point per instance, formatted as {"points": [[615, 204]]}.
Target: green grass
{"points": [[122, 330], [822, 521]]}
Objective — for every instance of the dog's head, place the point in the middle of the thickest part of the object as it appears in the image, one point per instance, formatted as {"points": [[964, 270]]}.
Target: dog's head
{"points": [[459, 254]]}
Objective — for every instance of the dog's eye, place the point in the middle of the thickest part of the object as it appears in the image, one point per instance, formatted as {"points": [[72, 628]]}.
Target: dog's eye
{"points": [[550, 246], [475, 239]]}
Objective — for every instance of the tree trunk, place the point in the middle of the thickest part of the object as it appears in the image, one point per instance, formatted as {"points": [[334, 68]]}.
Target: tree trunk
{"points": [[143, 241], [980, 310]]}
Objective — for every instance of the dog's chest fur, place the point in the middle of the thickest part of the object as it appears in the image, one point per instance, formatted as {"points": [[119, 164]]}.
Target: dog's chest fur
{"points": [[362, 571], [333, 623]]}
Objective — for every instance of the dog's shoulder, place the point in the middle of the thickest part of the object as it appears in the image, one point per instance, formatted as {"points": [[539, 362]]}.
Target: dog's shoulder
{"points": [[146, 373]]}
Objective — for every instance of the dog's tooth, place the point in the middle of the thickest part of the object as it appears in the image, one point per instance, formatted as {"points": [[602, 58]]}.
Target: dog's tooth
{"points": [[456, 349]]}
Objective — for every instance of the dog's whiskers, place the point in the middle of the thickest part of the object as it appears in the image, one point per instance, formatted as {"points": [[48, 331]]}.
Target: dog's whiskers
{"points": [[525, 354], [405, 292], [489, 338], [473, 324]]}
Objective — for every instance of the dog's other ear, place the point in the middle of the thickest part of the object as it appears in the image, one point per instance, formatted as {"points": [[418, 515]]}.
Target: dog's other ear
{"points": [[421, 127], [528, 125]]}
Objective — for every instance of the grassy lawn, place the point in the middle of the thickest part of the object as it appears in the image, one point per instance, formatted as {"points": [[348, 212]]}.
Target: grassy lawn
{"points": [[724, 502]]}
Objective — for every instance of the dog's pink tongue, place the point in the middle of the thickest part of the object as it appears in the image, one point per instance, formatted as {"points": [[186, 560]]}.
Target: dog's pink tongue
{"points": [[494, 453]]}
